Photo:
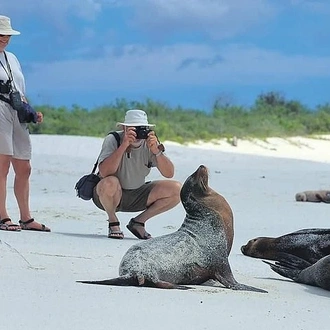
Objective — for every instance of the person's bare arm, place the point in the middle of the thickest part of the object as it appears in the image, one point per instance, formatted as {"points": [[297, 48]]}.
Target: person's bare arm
{"points": [[164, 164], [110, 165]]}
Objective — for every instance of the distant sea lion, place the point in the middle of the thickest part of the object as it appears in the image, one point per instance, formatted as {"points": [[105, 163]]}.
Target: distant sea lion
{"points": [[315, 196], [308, 244], [300, 271], [197, 252]]}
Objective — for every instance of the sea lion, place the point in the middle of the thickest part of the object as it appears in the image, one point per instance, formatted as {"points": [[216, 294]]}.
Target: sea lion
{"points": [[197, 252], [300, 271], [308, 244], [315, 196]]}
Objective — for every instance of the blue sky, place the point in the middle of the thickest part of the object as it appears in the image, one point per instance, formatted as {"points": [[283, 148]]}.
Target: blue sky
{"points": [[180, 52]]}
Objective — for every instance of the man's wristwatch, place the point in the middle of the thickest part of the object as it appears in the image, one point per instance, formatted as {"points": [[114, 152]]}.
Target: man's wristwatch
{"points": [[158, 153]]}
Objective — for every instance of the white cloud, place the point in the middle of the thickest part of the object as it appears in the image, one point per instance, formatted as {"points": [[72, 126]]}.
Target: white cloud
{"points": [[51, 10], [179, 65], [215, 18], [218, 19]]}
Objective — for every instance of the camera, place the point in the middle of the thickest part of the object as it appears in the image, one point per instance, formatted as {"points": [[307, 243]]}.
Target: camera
{"points": [[142, 132], [5, 88], [16, 100]]}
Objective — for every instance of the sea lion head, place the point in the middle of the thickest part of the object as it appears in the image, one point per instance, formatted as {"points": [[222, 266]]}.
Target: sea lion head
{"points": [[301, 197], [194, 189], [259, 247]]}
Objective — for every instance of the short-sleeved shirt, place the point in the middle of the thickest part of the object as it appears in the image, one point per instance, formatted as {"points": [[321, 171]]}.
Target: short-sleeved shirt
{"points": [[134, 166], [16, 71], [14, 136]]}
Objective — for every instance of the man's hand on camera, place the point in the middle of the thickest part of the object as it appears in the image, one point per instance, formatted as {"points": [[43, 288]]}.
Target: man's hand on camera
{"points": [[130, 136], [152, 142]]}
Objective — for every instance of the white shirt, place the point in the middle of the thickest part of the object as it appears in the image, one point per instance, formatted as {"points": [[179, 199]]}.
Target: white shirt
{"points": [[16, 70]]}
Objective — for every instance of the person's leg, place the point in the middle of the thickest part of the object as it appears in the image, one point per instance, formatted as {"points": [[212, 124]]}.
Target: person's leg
{"points": [[109, 193], [164, 195], [6, 152], [4, 170], [22, 169]]}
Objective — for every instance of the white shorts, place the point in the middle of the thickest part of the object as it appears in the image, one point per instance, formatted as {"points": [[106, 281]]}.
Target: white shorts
{"points": [[14, 136]]}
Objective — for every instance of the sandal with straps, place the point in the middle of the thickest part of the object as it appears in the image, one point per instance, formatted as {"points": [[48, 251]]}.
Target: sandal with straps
{"points": [[11, 227], [132, 228], [25, 227], [116, 234]]}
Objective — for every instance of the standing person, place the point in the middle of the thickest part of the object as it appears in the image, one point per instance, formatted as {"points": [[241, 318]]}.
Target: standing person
{"points": [[15, 144], [123, 171]]}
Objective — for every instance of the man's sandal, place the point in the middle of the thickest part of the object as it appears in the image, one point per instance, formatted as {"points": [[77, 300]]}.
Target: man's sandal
{"points": [[24, 226], [116, 234], [133, 228], [10, 227]]}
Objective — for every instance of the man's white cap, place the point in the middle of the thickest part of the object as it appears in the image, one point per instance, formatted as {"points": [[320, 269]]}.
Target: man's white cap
{"points": [[5, 27], [135, 117]]}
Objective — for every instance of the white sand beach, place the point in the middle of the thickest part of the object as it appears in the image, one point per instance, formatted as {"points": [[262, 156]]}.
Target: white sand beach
{"points": [[258, 178]]}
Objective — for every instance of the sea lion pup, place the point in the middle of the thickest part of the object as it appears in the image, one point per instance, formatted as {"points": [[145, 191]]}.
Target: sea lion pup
{"points": [[307, 244], [197, 252], [315, 196], [301, 271]]}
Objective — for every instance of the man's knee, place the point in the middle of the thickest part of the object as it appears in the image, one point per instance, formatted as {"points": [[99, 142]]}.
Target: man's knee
{"points": [[176, 188], [22, 168], [108, 187], [167, 188]]}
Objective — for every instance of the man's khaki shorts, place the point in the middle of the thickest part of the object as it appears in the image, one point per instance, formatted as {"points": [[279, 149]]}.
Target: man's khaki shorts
{"points": [[14, 136], [132, 200]]}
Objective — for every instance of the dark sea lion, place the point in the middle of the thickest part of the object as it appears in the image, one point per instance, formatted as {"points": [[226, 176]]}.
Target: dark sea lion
{"points": [[315, 196], [300, 271], [197, 252], [308, 244]]}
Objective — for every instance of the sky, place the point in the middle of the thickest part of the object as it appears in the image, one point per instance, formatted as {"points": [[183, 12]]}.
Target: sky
{"points": [[187, 53]]}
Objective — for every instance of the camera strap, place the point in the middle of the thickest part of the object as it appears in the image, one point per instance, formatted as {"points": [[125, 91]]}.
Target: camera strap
{"points": [[4, 99], [8, 70]]}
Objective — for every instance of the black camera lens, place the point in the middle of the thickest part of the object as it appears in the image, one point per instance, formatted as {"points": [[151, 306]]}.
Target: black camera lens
{"points": [[142, 132]]}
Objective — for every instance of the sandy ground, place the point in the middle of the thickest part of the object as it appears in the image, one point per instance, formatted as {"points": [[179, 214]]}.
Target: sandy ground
{"points": [[258, 178]]}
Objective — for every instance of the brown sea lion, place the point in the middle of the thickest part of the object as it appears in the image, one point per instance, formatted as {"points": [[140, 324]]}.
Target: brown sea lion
{"points": [[300, 271], [197, 252], [308, 244], [315, 196]]}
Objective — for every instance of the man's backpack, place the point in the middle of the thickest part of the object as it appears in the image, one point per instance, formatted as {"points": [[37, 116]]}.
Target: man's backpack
{"points": [[86, 184]]}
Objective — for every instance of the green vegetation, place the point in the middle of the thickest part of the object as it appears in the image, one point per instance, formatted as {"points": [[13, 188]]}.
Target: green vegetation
{"points": [[271, 115]]}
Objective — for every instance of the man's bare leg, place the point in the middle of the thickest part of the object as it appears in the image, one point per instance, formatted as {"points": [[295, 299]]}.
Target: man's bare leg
{"points": [[164, 196], [4, 170], [22, 169], [109, 192]]}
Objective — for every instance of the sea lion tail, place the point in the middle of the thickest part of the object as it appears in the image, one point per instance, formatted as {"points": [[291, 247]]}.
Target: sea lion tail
{"points": [[243, 287], [118, 281]]}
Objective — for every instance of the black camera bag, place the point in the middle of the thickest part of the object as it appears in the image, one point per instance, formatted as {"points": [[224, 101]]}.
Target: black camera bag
{"points": [[86, 184], [26, 114]]}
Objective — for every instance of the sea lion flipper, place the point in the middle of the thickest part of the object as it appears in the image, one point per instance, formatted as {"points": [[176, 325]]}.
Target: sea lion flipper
{"points": [[323, 196], [229, 282], [283, 270], [292, 261], [168, 285]]}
